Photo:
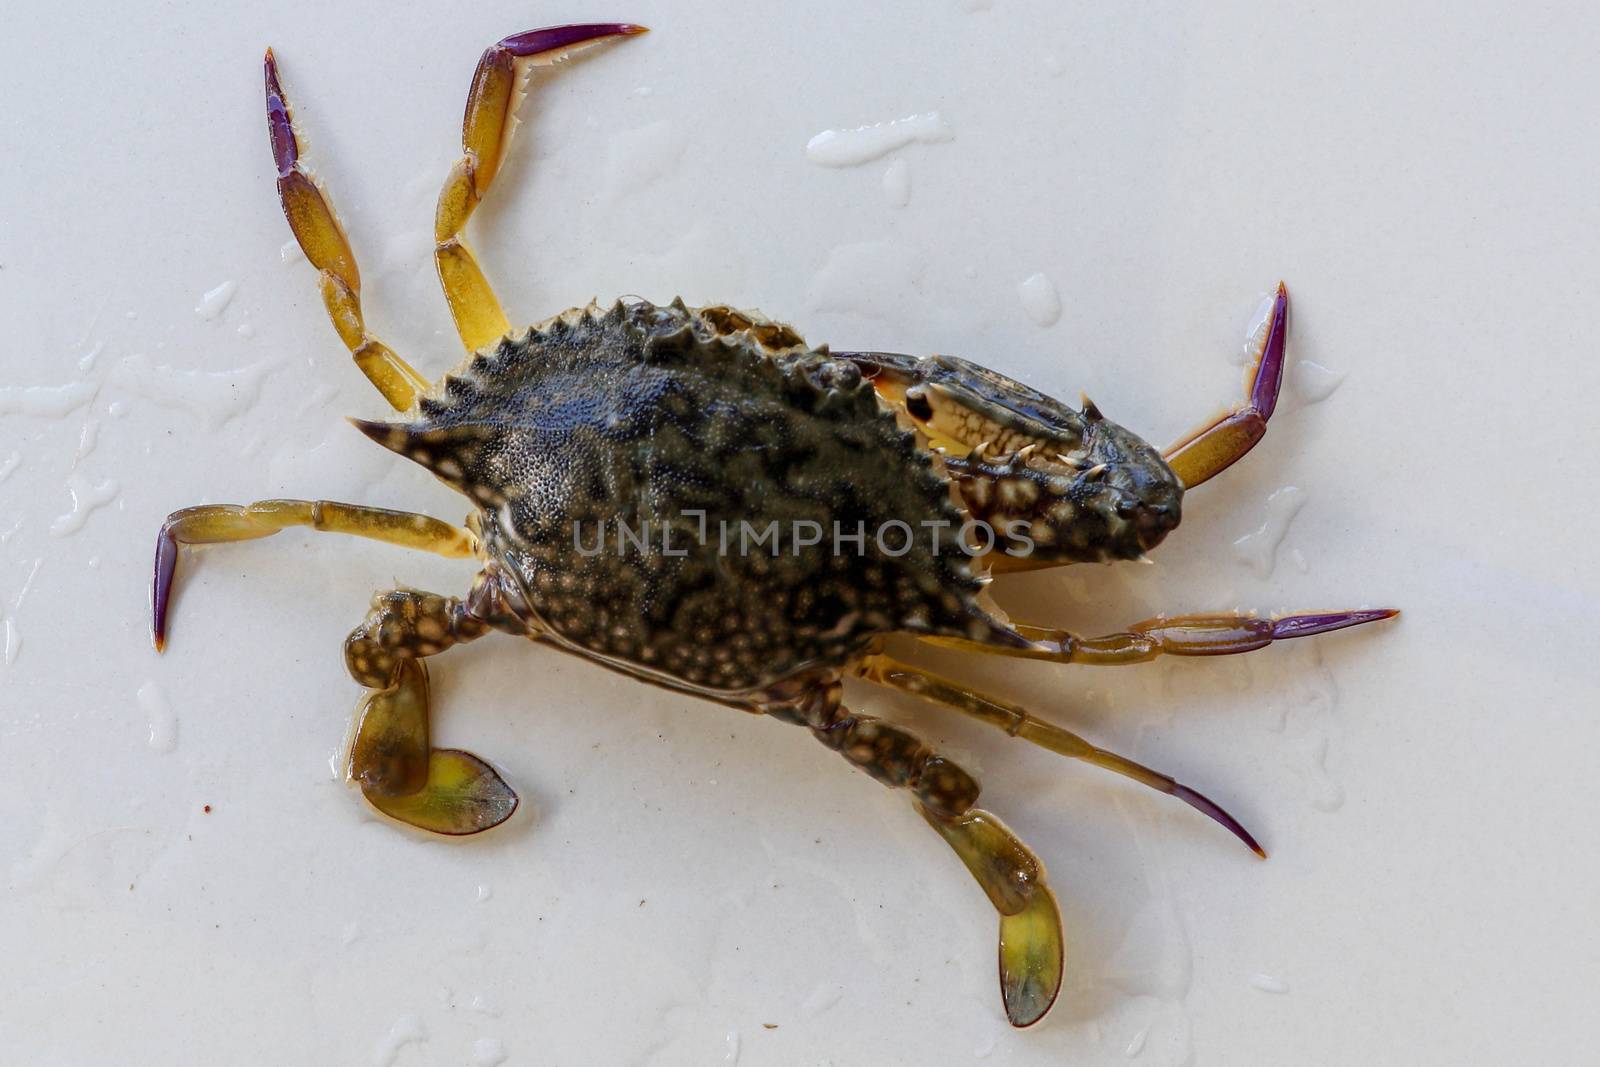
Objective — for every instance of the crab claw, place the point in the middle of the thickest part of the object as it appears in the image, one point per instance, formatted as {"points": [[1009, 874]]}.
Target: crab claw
{"points": [[1216, 446], [1032, 959], [464, 795], [1032, 952]]}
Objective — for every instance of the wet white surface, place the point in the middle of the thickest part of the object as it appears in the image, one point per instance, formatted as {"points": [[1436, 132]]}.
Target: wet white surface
{"points": [[680, 876]]}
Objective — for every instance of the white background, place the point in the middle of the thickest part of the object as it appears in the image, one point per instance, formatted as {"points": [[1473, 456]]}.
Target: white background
{"points": [[1422, 175]]}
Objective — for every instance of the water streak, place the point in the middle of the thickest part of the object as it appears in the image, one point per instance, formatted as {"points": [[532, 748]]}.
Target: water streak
{"points": [[407, 1030], [86, 499], [489, 1051], [45, 401], [1259, 550], [162, 723], [214, 396], [863, 144]]}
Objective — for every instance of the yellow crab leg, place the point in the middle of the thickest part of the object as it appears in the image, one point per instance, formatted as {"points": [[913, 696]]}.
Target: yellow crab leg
{"points": [[316, 227], [1019, 723], [1171, 635], [497, 89], [1031, 950], [213, 523]]}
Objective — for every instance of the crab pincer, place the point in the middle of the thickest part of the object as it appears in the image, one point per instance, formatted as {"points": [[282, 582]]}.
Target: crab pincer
{"points": [[1216, 446]]}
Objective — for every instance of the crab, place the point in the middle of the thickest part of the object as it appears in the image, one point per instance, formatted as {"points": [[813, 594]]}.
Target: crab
{"points": [[608, 453]]}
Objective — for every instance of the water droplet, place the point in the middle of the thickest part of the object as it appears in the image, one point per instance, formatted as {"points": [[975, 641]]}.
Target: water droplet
{"points": [[246, 330], [407, 1030], [1268, 984], [214, 301], [483, 1006], [1136, 1044], [291, 253], [489, 1051], [484, 893], [1298, 558], [821, 999], [1255, 337], [10, 464], [1313, 382], [1054, 64], [644, 90], [45, 401], [86, 498], [1040, 299], [897, 183], [350, 934], [162, 723], [863, 144], [117, 408], [732, 1055], [1259, 550]]}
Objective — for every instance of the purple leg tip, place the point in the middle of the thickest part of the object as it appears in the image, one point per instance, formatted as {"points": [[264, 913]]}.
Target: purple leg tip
{"points": [[1202, 803], [161, 586], [554, 38], [1264, 393], [1306, 625], [285, 152]]}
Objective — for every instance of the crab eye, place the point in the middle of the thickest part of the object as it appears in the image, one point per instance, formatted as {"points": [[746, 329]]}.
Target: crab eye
{"points": [[917, 405]]}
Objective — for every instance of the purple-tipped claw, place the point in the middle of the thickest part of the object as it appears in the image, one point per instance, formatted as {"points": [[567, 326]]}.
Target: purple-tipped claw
{"points": [[161, 584], [285, 149], [1200, 802], [1306, 625], [555, 38], [1269, 374]]}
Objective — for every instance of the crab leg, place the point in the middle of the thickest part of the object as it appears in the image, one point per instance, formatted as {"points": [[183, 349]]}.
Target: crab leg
{"points": [[316, 226], [1019, 723], [1216, 446], [497, 89], [442, 790], [213, 523], [1172, 635], [1031, 945]]}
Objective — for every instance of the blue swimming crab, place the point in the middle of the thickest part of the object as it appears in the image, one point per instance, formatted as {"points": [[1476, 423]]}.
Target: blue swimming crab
{"points": [[608, 452]]}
